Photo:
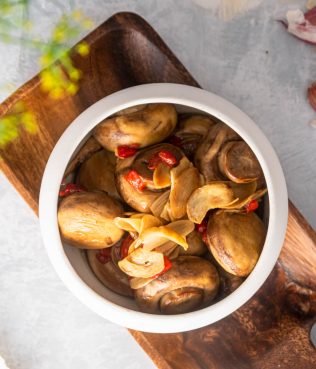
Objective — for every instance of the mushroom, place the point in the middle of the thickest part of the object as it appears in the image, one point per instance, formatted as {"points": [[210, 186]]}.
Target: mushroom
{"points": [[144, 127], [106, 270], [190, 284], [190, 131], [206, 154], [196, 246], [135, 179], [236, 240], [228, 282], [97, 173], [88, 148], [238, 163], [86, 220]]}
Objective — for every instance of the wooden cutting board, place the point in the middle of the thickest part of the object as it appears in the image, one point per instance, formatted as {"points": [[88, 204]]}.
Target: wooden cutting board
{"points": [[272, 329]]}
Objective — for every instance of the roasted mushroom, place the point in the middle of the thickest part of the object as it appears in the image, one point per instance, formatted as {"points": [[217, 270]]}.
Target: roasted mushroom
{"points": [[97, 173], [238, 163], [144, 127], [104, 267], [135, 176], [229, 282], [88, 148], [196, 246], [191, 283], [190, 131], [206, 156], [86, 220], [236, 240]]}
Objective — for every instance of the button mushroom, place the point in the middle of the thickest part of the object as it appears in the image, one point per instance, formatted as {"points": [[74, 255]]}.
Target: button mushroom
{"points": [[236, 240], [86, 220], [229, 282], [135, 176], [97, 173], [196, 246], [107, 271], [87, 149], [190, 284], [207, 153], [191, 129], [144, 127], [238, 163]]}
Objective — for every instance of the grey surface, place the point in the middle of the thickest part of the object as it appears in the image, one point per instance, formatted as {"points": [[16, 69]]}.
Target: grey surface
{"points": [[252, 62]]}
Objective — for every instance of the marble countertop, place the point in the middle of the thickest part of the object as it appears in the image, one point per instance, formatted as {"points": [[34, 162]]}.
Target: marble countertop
{"points": [[250, 60]]}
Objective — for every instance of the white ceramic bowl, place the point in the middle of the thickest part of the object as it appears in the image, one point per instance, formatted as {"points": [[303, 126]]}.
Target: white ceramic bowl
{"points": [[70, 263]]}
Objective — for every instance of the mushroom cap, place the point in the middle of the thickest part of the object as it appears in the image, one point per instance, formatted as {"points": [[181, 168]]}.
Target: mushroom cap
{"points": [[191, 129], [191, 283], [86, 220], [109, 274], [236, 240], [206, 156], [97, 173], [146, 126], [141, 201], [196, 245], [237, 162]]}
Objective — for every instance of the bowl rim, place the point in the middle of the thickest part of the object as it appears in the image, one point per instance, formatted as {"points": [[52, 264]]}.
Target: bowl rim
{"points": [[192, 97]]}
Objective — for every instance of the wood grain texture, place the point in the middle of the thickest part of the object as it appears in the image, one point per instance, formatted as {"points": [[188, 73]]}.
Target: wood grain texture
{"points": [[272, 329]]}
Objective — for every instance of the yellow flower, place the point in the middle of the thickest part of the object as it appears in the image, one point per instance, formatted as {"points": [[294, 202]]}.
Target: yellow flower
{"points": [[29, 122], [75, 74], [72, 88], [11, 123], [56, 93], [47, 80], [59, 35], [83, 48], [45, 60]]}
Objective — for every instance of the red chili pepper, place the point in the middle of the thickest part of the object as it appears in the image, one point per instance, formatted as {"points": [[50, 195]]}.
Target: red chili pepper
{"points": [[175, 141], [168, 158], [104, 255], [125, 246], [204, 236], [153, 162], [202, 226], [70, 188], [168, 265], [163, 156], [135, 180], [126, 151], [252, 206]]}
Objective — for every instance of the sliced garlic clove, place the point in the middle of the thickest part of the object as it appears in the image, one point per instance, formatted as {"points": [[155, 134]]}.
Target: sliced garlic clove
{"points": [[137, 222], [182, 186], [161, 176], [154, 237], [211, 196], [243, 190], [242, 202], [158, 205], [142, 263]]}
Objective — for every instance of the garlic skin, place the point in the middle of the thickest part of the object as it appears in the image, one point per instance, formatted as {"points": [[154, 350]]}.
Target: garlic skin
{"points": [[312, 123], [302, 26], [311, 95]]}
